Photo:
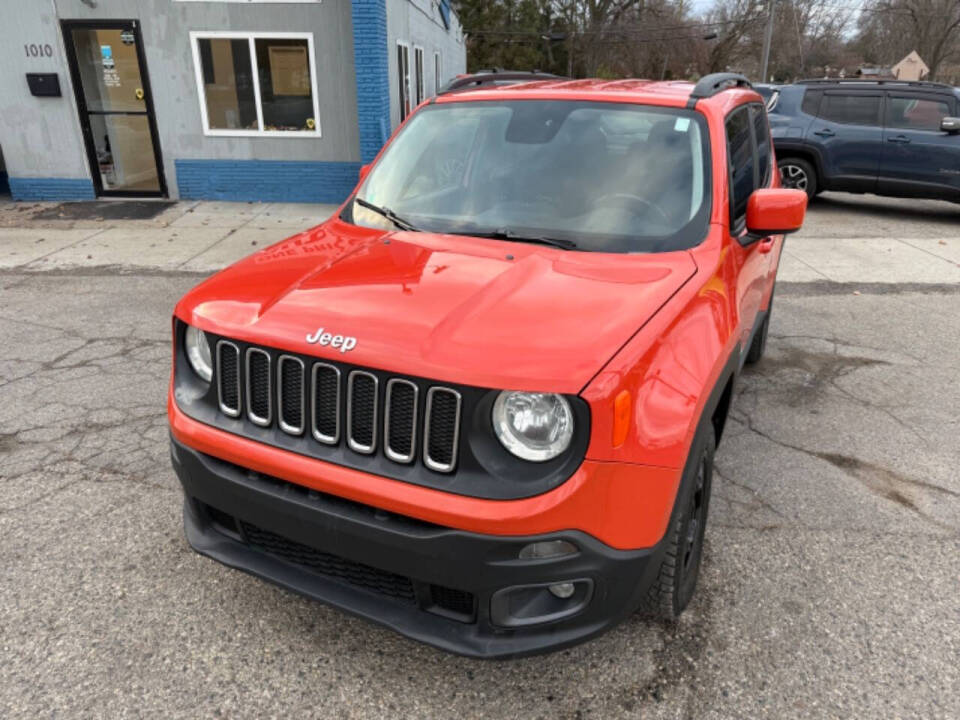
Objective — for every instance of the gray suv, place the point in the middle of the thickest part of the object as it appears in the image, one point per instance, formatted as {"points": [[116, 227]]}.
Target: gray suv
{"points": [[888, 137]]}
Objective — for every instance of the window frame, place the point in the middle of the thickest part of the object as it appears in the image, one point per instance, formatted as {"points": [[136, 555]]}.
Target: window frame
{"points": [[251, 37], [437, 71], [405, 85], [419, 75]]}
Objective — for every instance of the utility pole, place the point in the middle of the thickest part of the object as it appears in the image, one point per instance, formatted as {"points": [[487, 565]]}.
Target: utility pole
{"points": [[767, 39]]}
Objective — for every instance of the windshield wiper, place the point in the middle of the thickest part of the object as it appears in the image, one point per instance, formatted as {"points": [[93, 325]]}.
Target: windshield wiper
{"points": [[389, 215], [507, 234]]}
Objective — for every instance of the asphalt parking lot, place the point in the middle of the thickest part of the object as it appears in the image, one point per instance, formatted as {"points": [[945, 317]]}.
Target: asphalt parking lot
{"points": [[831, 581]]}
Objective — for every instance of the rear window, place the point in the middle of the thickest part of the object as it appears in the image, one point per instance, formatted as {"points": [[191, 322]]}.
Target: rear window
{"points": [[851, 109]]}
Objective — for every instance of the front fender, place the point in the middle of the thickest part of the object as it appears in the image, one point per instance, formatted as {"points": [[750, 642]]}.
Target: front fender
{"points": [[675, 370]]}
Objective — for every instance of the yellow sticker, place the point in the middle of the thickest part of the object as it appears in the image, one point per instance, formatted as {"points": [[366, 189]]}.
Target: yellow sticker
{"points": [[310, 124]]}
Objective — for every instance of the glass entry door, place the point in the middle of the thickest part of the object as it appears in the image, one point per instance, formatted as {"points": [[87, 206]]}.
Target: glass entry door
{"points": [[116, 110]]}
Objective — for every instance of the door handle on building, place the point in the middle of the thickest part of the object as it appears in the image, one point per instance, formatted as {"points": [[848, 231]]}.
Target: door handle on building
{"points": [[138, 93]]}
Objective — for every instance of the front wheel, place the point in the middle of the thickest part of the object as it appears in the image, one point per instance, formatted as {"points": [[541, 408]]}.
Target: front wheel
{"points": [[677, 579], [798, 174]]}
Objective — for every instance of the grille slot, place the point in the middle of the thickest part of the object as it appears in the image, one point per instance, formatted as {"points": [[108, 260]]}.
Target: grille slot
{"points": [[400, 420], [290, 394], [333, 566], [259, 405], [457, 602], [362, 411], [325, 403], [441, 429], [228, 378]]}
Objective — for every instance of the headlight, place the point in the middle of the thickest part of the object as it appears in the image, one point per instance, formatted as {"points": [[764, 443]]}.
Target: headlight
{"points": [[198, 353], [533, 426]]}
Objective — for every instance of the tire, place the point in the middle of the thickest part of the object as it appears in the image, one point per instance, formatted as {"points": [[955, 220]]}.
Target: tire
{"points": [[798, 174], [676, 580], [759, 345]]}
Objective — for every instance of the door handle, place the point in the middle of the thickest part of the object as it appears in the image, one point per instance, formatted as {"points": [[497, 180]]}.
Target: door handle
{"points": [[826, 132], [899, 139], [138, 93]]}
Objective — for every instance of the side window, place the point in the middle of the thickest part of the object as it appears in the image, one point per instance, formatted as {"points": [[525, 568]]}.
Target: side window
{"points": [[761, 131], [851, 109], [913, 113], [811, 101], [740, 156], [403, 77]]}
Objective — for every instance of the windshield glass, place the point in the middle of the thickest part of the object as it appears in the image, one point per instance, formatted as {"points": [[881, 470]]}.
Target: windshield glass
{"points": [[609, 177]]}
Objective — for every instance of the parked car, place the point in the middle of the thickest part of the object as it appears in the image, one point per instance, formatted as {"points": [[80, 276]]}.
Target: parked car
{"points": [[480, 404], [769, 92], [888, 137]]}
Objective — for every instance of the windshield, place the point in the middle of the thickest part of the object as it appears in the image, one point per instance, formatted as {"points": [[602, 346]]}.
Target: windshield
{"points": [[608, 177]]}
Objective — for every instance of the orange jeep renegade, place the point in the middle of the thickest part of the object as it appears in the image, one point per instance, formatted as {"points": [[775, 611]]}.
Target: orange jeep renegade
{"points": [[480, 404]]}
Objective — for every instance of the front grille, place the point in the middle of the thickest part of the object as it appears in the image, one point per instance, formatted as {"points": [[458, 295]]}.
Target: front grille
{"points": [[333, 566], [368, 412]]}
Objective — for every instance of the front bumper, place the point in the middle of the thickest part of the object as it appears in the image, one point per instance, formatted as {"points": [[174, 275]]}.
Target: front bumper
{"points": [[435, 584]]}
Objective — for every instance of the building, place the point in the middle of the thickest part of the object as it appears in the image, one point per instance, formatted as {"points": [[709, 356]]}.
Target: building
{"points": [[247, 100], [912, 67]]}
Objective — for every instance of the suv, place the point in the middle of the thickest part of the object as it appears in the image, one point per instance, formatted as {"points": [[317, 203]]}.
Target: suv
{"points": [[480, 404], [887, 137]]}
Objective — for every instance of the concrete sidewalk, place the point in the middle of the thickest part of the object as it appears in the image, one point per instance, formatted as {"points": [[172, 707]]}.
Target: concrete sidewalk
{"points": [[187, 236], [846, 239]]}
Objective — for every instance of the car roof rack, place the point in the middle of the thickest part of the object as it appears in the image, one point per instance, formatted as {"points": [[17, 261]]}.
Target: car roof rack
{"points": [[495, 76], [710, 85], [875, 81]]}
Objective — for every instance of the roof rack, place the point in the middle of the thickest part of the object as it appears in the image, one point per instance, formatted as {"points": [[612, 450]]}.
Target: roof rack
{"points": [[710, 85], [496, 76], [874, 81]]}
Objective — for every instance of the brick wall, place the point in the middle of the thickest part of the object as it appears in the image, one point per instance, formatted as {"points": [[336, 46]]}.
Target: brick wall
{"points": [[266, 180], [373, 76], [51, 188]]}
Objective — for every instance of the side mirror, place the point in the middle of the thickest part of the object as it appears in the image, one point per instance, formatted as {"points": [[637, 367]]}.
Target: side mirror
{"points": [[950, 125], [775, 211], [364, 169]]}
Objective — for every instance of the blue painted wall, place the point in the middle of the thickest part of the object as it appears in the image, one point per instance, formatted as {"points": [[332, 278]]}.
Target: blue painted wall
{"points": [[51, 189], [266, 180], [371, 65]]}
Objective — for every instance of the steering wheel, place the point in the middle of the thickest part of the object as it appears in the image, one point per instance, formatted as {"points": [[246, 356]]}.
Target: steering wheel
{"points": [[634, 203]]}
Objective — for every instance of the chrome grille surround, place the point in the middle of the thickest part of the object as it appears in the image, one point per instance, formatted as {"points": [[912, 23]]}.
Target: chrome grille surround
{"points": [[388, 398], [262, 421], [428, 460], [319, 436], [286, 427], [366, 449], [226, 345]]}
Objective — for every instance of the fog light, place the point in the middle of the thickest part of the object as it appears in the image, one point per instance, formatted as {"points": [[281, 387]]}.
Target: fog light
{"points": [[547, 549], [562, 590]]}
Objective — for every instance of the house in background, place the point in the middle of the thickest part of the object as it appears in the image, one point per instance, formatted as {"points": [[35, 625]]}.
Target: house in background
{"points": [[248, 100], [911, 67]]}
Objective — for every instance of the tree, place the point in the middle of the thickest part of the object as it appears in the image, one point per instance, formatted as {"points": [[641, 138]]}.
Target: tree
{"points": [[890, 29]]}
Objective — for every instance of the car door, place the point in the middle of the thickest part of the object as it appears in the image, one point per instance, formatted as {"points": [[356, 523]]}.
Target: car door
{"points": [[745, 176], [848, 135], [919, 159]]}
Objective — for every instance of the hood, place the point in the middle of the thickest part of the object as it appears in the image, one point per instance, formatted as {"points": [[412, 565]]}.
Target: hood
{"points": [[451, 308]]}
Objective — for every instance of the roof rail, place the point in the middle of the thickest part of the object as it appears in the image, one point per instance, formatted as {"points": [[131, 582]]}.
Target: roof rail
{"points": [[710, 85], [495, 76], [874, 81]]}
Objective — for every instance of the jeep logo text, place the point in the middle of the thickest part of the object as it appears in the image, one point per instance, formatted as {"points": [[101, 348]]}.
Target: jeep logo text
{"points": [[345, 343]]}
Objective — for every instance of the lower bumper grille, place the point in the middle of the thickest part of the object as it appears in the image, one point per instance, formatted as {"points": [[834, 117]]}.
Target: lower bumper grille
{"points": [[357, 574]]}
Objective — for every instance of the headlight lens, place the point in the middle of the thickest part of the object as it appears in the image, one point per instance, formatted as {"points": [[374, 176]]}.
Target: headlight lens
{"points": [[198, 353], [533, 426]]}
